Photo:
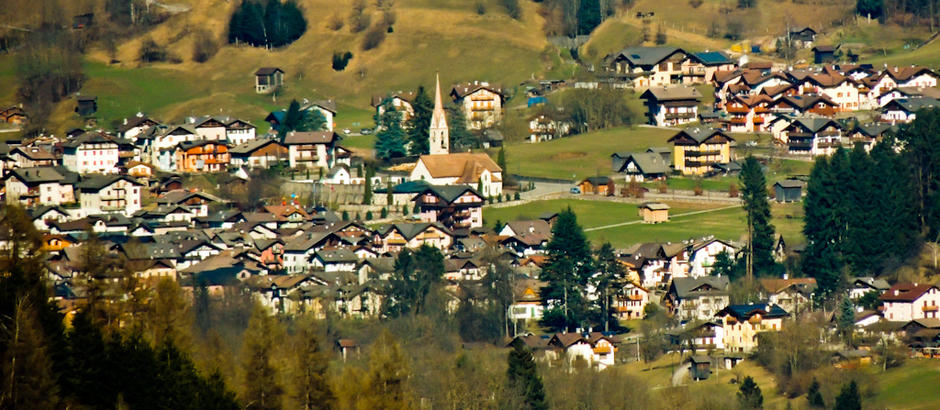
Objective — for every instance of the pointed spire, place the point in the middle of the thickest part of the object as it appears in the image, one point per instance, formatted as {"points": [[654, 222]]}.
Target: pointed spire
{"points": [[439, 135]]}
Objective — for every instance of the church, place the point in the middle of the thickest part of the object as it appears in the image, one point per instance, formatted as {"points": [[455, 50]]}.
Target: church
{"points": [[440, 167]]}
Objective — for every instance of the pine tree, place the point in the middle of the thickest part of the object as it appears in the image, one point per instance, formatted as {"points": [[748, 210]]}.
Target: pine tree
{"points": [[419, 125], [846, 319], [814, 396], [501, 160], [754, 196], [312, 385], [460, 136], [390, 140], [262, 389], [897, 213], [312, 120], [170, 318], [522, 377], [822, 226], [749, 395], [417, 274], [863, 248], [87, 378], [566, 274], [26, 371], [293, 117], [609, 277], [589, 16], [848, 398]]}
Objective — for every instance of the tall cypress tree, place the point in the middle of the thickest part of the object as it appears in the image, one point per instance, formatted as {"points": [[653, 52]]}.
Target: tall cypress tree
{"points": [[566, 274], [522, 376], [864, 235], [419, 125], [754, 196], [367, 194]]}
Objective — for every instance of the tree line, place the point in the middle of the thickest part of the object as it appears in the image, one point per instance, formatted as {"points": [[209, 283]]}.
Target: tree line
{"points": [[268, 24], [868, 213]]}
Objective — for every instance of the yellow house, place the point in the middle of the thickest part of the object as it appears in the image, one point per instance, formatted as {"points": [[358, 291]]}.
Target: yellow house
{"points": [[697, 150], [742, 323]]}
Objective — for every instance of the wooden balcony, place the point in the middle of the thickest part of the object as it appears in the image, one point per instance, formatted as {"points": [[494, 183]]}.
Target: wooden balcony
{"points": [[929, 308]]}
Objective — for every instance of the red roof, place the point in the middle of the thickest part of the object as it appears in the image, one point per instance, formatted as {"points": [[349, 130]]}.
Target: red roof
{"points": [[906, 292]]}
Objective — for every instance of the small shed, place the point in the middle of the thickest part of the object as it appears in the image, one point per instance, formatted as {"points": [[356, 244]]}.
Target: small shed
{"points": [[267, 79], [346, 346], [732, 360], [654, 212], [492, 139], [788, 190], [595, 185], [824, 54], [86, 105], [700, 367]]}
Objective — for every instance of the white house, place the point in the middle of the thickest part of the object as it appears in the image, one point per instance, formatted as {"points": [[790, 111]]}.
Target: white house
{"points": [[91, 152], [238, 132], [38, 186], [106, 194], [908, 301], [702, 255]]}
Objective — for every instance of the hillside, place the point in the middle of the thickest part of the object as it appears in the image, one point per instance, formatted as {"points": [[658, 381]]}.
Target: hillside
{"points": [[447, 36]]}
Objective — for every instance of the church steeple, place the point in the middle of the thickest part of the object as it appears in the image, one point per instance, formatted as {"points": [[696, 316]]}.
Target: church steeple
{"points": [[439, 135]]}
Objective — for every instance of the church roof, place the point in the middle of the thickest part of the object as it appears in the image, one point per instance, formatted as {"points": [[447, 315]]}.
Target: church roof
{"points": [[465, 165]]}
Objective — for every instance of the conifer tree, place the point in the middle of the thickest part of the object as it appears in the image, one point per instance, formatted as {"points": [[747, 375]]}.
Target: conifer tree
{"points": [[522, 376], [262, 389], [609, 277], [589, 16], [419, 125], [390, 140], [848, 398], [387, 376], [26, 370], [814, 396], [754, 196], [367, 194], [749, 394], [566, 274], [846, 319], [311, 380], [417, 274], [501, 160], [170, 318], [920, 140], [862, 249], [460, 136], [822, 226], [389, 193]]}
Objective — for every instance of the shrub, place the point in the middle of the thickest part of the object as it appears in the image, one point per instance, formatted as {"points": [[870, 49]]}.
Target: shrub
{"points": [[359, 21], [341, 59], [698, 189], [404, 210], [733, 191], [499, 198], [481, 8], [661, 35], [695, 3], [368, 215], [335, 23], [345, 215], [517, 196], [373, 38], [512, 8], [204, 46], [151, 52], [384, 213]]}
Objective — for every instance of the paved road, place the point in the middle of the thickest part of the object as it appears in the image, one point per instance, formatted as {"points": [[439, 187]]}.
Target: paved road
{"points": [[597, 228]]}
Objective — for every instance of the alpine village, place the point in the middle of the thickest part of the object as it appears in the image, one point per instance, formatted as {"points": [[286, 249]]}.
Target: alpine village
{"points": [[469, 204]]}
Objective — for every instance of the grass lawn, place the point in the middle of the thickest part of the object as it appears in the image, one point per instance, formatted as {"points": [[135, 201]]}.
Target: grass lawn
{"points": [[725, 224], [581, 156], [912, 386]]}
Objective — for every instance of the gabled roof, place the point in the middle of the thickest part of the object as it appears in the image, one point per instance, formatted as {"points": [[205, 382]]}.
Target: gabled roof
{"points": [[790, 183], [97, 182], [906, 292], [695, 287], [873, 130], [337, 255], [647, 56], [90, 138], [805, 102], [911, 104], [310, 137], [36, 175], [268, 70], [410, 230], [745, 311], [448, 193], [135, 122], [699, 136], [775, 285], [464, 89], [870, 282], [407, 96], [814, 124], [647, 162], [673, 93], [905, 73], [465, 165], [654, 206], [251, 146]]}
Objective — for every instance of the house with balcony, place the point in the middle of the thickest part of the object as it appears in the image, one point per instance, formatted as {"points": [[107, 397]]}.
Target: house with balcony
{"points": [[748, 113], [134, 126], [702, 66], [40, 186], [791, 294], [401, 101], [31, 156], [742, 323], [696, 151], [100, 194], [91, 152], [258, 153], [672, 106], [869, 134], [647, 67], [239, 131], [527, 305], [481, 102], [202, 156], [595, 349], [311, 149], [395, 237], [812, 136], [908, 301], [456, 207], [544, 128], [805, 104], [697, 298], [630, 302]]}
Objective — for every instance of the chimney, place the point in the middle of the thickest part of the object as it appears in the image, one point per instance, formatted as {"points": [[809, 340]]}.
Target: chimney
{"points": [[125, 120]]}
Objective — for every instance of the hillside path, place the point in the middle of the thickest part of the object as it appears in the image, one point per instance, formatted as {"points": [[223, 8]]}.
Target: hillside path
{"points": [[597, 228]]}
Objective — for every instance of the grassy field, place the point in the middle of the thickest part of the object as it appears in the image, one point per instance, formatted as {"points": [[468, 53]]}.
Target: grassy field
{"points": [[582, 155], [725, 223]]}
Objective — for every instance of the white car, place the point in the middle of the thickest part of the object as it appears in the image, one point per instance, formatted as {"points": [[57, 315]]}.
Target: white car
{"points": [[346, 131]]}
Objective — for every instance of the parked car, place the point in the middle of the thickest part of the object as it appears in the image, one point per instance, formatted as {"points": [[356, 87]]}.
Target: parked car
{"points": [[365, 131], [346, 130], [575, 190]]}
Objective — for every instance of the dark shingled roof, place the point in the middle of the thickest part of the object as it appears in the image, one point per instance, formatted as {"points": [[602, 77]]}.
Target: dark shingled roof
{"points": [[744, 312], [267, 70]]}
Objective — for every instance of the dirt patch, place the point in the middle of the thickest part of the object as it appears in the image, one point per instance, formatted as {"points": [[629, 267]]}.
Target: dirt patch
{"points": [[561, 156]]}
